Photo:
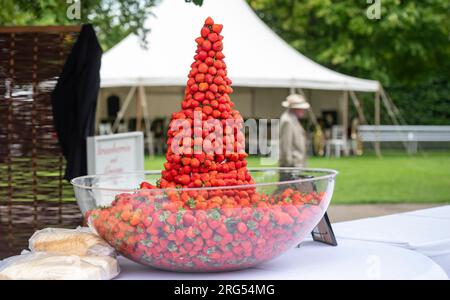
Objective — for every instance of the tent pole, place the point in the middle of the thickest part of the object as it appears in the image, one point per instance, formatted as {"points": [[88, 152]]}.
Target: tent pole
{"points": [[312, 116], [345, 122], [377, 123], [311, 113], [124, 108], [301, 92], [393, 112], [138, 110], [151, 148], [391, 108], [358, 107]]}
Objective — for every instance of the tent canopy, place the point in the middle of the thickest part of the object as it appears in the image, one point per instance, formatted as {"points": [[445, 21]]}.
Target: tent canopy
{"points": [[255, 55]]}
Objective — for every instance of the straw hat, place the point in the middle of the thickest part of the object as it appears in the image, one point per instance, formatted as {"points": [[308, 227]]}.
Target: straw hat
{"points": [[295, 101]]}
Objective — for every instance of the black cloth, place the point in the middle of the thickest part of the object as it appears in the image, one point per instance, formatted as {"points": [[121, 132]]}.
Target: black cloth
{"points": [[74, 100]]}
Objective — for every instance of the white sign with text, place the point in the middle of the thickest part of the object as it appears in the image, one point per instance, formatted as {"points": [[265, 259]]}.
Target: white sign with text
{"points": [[115, 153]]}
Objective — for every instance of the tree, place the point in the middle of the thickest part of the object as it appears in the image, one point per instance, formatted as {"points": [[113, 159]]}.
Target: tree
{"points": [[406, 49], [113, 19]]}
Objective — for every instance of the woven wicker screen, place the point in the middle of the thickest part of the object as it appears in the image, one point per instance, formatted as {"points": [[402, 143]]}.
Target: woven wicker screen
{"points": [[33, 194]]}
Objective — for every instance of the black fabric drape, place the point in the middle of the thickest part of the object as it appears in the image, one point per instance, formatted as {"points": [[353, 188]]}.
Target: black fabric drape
{"points": [[74, 100]]}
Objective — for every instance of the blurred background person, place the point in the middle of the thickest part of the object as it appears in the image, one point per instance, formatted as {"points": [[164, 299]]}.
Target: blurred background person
{"points": [[293, 149]]}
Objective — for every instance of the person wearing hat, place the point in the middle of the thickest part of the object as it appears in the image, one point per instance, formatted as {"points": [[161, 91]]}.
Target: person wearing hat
{"points": [[292, 134]]}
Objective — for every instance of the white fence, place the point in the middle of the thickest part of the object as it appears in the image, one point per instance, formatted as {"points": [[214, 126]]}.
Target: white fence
{"points": [[411, 135]]}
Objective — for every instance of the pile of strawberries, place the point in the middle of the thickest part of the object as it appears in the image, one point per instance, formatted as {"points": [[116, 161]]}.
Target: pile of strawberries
{"points": [[147, 228], [184, 223], [202, 155]]}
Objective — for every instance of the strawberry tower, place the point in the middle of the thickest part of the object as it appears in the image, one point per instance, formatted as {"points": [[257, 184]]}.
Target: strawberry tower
{"points": [[206, 147]]}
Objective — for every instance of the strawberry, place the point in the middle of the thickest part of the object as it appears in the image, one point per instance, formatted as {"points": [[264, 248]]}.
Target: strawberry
{"points": [[202, 55], [212, 70], [209, 21], [146, 185], [195, 163], [207, 234], [217, 46], [242, 228], [199, 78], [206, 45], [180, 234], [207, 110], [203, 87], [205, 32], [126, 215], [186, 161], [190, 233], [203, 68], [213, 88], [217, 28], [209, 61], [213, 37], [184, 179]]}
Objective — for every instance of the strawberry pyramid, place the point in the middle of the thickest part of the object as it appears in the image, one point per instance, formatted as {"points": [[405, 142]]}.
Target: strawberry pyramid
{"points": [[206, 144], [216, 229]]}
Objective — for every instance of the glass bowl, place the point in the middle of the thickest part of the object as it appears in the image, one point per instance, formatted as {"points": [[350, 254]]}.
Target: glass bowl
{"points": [[207, 229]]}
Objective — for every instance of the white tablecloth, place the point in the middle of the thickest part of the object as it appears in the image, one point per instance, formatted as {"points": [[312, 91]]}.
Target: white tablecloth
{"points": [[424, 231], [350, 260], [441, 212]]}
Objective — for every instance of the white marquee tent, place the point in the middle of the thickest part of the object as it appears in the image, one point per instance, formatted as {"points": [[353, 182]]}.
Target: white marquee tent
{"points": [[255, 55], [262, 66]]}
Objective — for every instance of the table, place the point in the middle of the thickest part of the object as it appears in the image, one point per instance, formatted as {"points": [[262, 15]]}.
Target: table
{"points": [[424, 231], [441, 212], [350, 260]]}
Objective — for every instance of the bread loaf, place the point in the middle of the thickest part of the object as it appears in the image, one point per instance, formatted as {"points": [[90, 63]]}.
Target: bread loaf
{"points": [[78, 241], [44, 266]]}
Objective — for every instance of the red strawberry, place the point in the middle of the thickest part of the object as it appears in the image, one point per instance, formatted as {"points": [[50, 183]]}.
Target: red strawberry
{"points": [[146, 185], [195, 163], [203, 68], [209, 21], [184, 179], [219, 55], [205, 31], [213, 37], [180, 234], [212, 70], [207, 234], [217, 28], [203, 87], [209, 61], [206, 45], [217, 46], [202, 55], [241, 227]]}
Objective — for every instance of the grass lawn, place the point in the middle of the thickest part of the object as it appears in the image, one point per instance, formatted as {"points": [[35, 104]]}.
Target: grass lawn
{"points": [[395, 178]]}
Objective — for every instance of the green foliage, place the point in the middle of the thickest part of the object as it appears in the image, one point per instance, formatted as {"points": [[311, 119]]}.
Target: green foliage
{"points": [[425, 103], [113, 19], [407, 49], [196, 2]]}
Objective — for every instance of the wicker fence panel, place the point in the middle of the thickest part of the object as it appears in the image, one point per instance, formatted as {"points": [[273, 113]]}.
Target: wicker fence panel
{"points": [[33, 194]]}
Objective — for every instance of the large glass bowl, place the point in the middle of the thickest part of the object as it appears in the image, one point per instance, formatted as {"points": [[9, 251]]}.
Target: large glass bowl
{"points": [[205, 229]]}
